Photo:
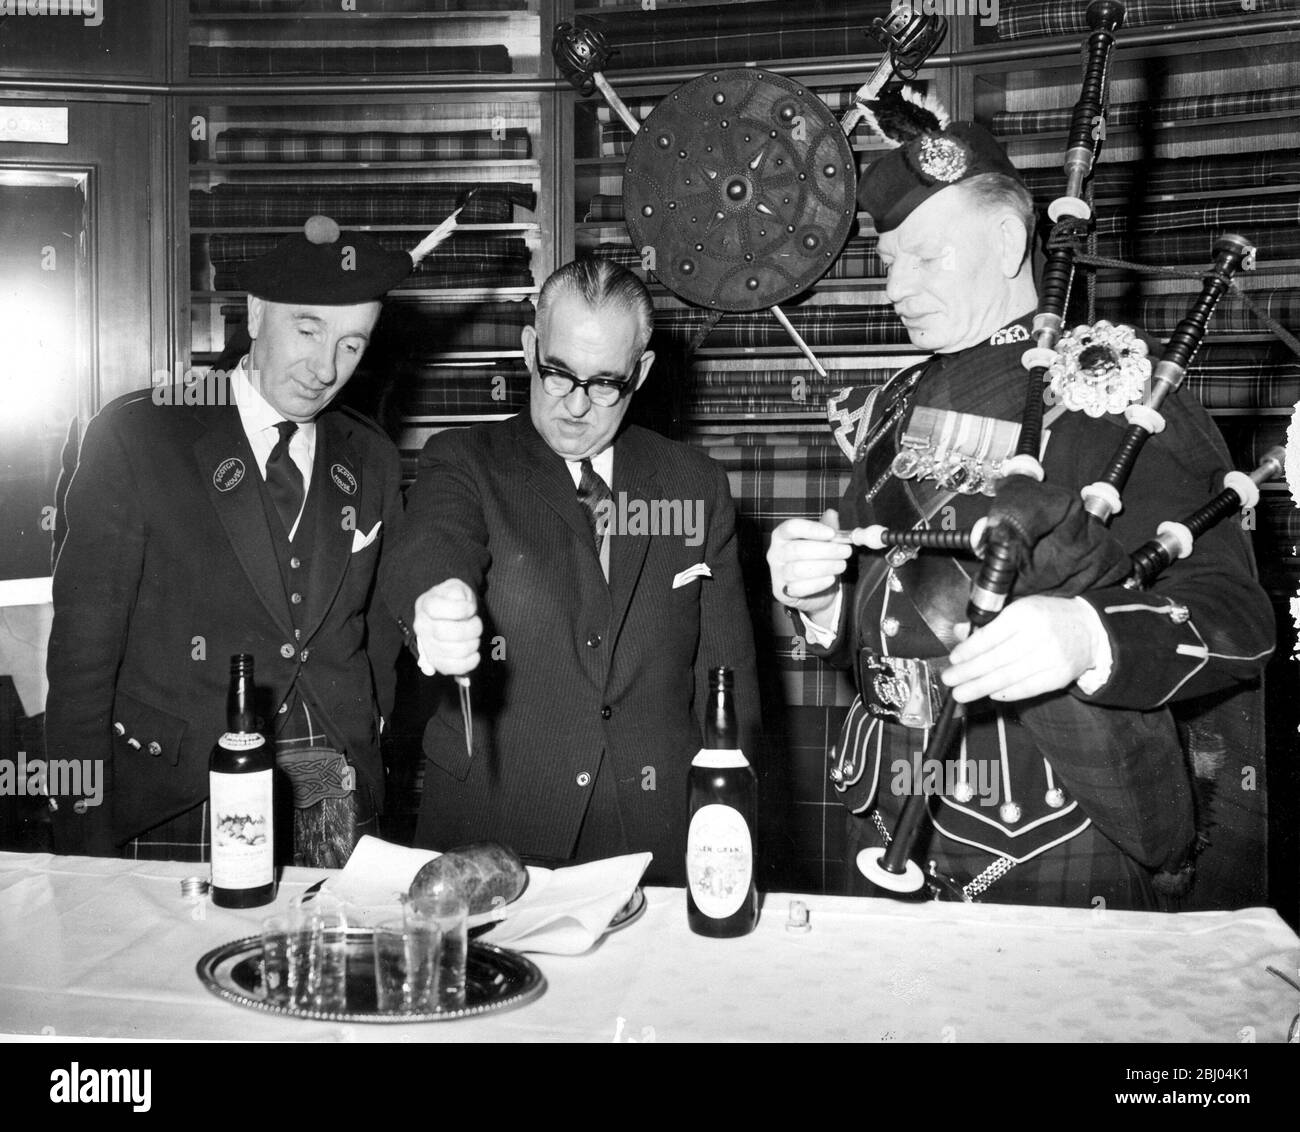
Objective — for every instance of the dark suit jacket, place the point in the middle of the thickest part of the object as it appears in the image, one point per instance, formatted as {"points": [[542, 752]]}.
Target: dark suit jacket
{"points": [[578, 677], [163, 575]]}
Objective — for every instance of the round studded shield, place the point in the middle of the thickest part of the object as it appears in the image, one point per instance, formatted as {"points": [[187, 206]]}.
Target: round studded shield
{"points": [[739, 190]]}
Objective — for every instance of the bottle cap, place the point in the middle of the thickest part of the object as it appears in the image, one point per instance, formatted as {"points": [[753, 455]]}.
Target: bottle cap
{"points": [[192, 888]]}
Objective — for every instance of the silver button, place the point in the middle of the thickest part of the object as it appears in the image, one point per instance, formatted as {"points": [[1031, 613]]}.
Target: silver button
{"points": [[1178, 613], [295, 563], [118, 729], [1009, 812], [287, 651], [1055, 797], [155, 748], [895, 583], [889, 626], [304, 655], [296, 599], [584, 779], [133, 742]]}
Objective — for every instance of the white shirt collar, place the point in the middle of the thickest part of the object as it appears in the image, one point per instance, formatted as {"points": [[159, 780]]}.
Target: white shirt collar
{"points": [[602, 464]]}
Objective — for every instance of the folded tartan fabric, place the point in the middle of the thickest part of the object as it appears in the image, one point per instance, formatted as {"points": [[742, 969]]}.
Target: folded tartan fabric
{"points": [[239, 145], [1195, 247], [234, 62], [604, 206], [1248, 438], [440, 280], [1159, 314], [378, 7], [1010, 122], [462, 249], [1248, 375], [739, 33], [798, 378], [448, 390], [459, 326], [1173, 175], [776, 457], [464, 260], [858, 260], [237, 206], [1243, 212], [819, 326], [1020, 19]]}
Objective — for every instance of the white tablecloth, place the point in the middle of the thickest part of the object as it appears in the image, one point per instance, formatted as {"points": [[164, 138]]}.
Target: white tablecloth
{"points": [[105, 948]]}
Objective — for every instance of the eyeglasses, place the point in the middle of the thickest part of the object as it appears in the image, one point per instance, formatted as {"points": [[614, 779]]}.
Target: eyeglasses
{"points": [[603, 391]]}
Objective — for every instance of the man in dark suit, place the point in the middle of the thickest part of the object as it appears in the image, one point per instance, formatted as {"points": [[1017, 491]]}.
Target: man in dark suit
{"points": [[194, 531], [594, 566]]}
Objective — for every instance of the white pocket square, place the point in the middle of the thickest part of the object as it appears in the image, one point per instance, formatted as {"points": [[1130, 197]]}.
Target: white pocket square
{"points": [[360, 541], [699, 570]]}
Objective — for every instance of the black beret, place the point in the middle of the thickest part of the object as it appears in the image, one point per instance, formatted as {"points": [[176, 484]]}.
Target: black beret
{"points": [[893, 186], [322, 266]]}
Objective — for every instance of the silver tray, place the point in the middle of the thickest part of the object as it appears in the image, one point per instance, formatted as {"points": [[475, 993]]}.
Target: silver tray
{"points": [[495, 979]]}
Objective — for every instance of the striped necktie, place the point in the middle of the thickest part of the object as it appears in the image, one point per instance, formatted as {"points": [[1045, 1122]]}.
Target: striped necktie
{"points": [[283, 478], [594, 495]]}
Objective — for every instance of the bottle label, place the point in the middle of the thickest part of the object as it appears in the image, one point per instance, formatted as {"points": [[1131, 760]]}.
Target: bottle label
{"points": [[243, 849], [719, 860], [711, 759]]}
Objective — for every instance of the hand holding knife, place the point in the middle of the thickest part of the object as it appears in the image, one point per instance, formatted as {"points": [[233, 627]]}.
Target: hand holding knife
{"points": [[447, 630]]}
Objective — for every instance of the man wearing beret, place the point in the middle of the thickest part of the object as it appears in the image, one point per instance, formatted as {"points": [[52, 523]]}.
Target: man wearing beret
{"points": [[1102, 755], [192, 532], [585, 572]]}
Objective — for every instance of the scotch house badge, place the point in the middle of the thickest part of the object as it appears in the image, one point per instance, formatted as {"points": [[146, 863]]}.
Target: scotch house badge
{"points": [[229, 474], [344, 480]]}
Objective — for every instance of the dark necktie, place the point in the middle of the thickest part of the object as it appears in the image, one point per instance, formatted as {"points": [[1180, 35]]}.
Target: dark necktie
{"points": [[283, 479], [593, 492]]}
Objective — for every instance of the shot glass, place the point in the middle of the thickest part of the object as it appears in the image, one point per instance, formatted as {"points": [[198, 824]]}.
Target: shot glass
{"points": [[320, 981], [277, 960], [406, 966], [446, 914]]}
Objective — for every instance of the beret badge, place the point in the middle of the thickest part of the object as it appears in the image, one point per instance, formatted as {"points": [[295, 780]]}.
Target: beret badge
{"points": [[942, 158]]}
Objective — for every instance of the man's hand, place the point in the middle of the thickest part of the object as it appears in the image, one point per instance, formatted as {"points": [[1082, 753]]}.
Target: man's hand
{"points": [[1035, 645], [448, 629], [805, 565]]}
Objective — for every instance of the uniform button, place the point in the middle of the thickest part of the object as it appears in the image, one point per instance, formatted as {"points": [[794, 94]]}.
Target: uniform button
{"points": [[295, 563], [284, 707], [304, 655], [133, 742], [80, 806], [1178, 613], [296, 599], [297, 634], [606, 712], [895, 583], [593, 642], [287, 651], [889, 626], [119, 729], [584, 779], [155, 748]]}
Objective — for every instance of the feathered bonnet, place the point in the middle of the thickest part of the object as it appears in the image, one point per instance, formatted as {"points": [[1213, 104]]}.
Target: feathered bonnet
{"points": [[929, 153]]}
